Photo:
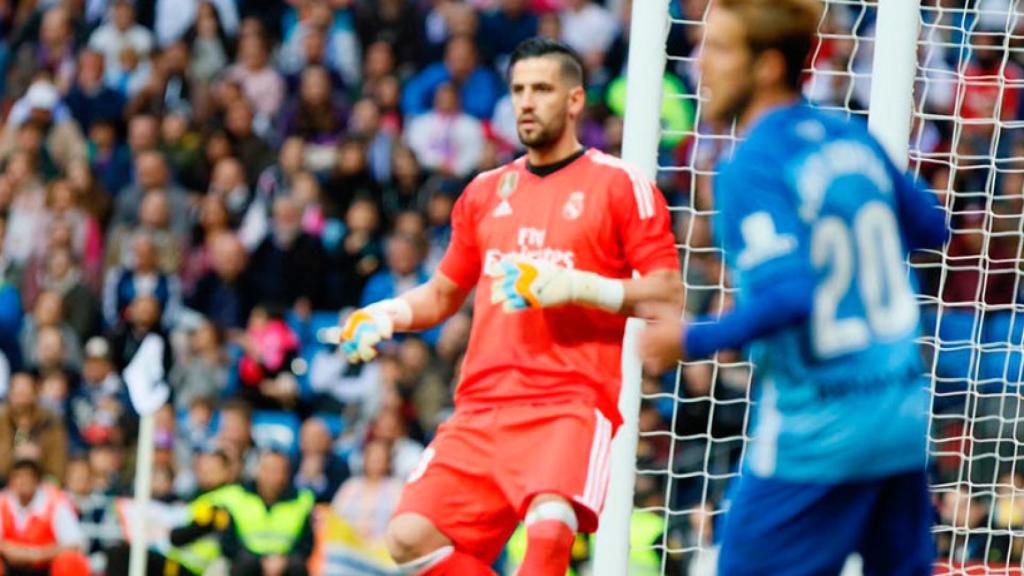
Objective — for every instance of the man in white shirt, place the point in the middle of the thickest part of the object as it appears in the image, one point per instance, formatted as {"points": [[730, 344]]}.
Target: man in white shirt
{"points": [[588, 28], [446, 140], [121, 32], [39, 530]]}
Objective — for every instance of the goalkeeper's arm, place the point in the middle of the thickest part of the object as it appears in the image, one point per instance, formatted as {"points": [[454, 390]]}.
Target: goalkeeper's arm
{"points": [[431, 303]]}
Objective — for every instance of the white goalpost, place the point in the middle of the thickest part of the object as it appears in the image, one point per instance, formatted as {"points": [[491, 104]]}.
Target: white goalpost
{"points": [[941, 84]]}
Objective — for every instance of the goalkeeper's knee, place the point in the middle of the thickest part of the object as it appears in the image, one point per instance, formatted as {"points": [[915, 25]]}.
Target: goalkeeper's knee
{"points": [[550, 531]]}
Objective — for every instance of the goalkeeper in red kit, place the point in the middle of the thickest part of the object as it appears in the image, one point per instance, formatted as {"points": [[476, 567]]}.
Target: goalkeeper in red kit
{"points": [[550, 242]]}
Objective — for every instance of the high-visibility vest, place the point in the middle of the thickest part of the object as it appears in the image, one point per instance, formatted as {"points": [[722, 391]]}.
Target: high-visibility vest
{"points": [[197, 556], [268, 531], [645, 528], [38, 530]]}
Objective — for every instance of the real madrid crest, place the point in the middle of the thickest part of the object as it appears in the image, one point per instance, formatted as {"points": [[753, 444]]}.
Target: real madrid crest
{"points": [[573, 207]]}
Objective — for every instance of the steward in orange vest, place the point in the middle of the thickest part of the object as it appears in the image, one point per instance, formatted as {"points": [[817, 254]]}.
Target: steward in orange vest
{"points": [[39, 530]]}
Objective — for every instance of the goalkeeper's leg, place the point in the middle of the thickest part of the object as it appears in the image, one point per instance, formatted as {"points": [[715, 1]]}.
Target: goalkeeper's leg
{"points": [[550, 530], [420, 549]]}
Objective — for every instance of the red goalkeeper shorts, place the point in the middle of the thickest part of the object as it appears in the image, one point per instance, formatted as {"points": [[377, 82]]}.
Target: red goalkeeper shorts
{"points": [[477, 478]]}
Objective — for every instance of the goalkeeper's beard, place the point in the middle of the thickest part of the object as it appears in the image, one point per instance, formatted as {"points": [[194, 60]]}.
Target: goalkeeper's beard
{"points": [[545, 135]]}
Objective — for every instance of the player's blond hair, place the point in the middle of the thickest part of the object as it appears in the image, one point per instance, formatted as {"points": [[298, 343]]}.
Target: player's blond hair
{"points": [[788, 26]]}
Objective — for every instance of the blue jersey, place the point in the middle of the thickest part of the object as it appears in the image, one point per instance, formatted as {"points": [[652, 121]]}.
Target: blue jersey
{"points": [[811, 195]]}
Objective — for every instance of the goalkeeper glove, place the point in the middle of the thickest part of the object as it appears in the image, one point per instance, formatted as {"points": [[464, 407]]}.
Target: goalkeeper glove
{"points": [[366, 327], [519, 283]]}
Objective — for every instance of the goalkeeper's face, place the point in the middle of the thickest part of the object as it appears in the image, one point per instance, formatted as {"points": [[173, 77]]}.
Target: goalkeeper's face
{"points": [[546, 104], [727, 69]]}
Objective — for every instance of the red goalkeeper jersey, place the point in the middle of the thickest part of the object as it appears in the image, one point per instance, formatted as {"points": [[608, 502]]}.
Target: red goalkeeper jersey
{"points": [[594, 213]]}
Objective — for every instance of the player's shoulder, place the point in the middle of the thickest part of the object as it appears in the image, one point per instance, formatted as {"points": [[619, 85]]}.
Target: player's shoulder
{"points": [[602, 162], [625, 182], [622, 176]]}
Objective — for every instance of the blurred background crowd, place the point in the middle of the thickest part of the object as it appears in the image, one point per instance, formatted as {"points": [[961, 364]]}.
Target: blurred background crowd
{"points": [[235, 175]]}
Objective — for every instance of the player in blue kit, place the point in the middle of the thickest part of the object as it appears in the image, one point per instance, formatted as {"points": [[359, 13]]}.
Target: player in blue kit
{"points": [[816, 223]]}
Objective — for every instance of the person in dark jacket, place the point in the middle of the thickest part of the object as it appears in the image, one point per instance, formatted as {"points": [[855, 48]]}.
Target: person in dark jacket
{"points": [[288, 266]]}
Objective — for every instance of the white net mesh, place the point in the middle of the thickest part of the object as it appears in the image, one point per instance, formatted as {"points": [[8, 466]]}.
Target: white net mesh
{"points": [[968, 143]]}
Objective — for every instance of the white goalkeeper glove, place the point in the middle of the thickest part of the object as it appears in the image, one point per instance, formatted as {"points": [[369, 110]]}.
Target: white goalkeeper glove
{"points": [[519, 283], [366, 327]]}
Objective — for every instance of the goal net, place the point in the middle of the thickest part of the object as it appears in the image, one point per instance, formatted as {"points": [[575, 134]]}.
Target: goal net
{"points": [[967, 143]]}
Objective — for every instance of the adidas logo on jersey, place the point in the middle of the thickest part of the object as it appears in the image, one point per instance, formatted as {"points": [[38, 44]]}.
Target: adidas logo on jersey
{"points": [[503, 209]]}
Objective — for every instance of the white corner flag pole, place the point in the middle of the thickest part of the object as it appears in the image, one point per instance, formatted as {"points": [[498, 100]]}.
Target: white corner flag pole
{"points": [[144, 377], [648, 35], [142, 493]]}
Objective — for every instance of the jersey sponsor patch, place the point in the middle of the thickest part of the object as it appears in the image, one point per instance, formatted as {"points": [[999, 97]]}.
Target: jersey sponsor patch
{"points": [[506, 186], [762, 241]]}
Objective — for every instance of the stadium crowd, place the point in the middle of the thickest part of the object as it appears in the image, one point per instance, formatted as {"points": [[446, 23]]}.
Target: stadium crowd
{"points": [[233, 176]]}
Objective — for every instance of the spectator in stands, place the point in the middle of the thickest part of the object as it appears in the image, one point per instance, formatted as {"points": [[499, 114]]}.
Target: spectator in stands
{"points": [[52, 53], [588, 28], [173, 18], [323, 35], [365, 123], [276, 179], [320, 470], [314, 114], [272, 530], [390, 428], [125, 284], [404, 271], [446, 140], [56, 135], [229, 183], [90, 99], [358, 254], [252, 150], [141, 319], [234, 435], [221, 294], [29, 431], [391, 21], [210, 45], [477, 85], [151, 174], [261, 83], [202, 372], [182, 148], [288, 266], [351, 176], [121, 32], [503, 28], [155, 222], [367, 501], [143, 136], [378, 63], [80, 307], [39, 530], [265, 370], [98, 407], [48, 312]]}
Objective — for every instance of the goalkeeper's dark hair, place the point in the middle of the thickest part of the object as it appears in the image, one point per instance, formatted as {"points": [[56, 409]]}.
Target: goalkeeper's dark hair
{"points": [[540, 47], [787, 26]]}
